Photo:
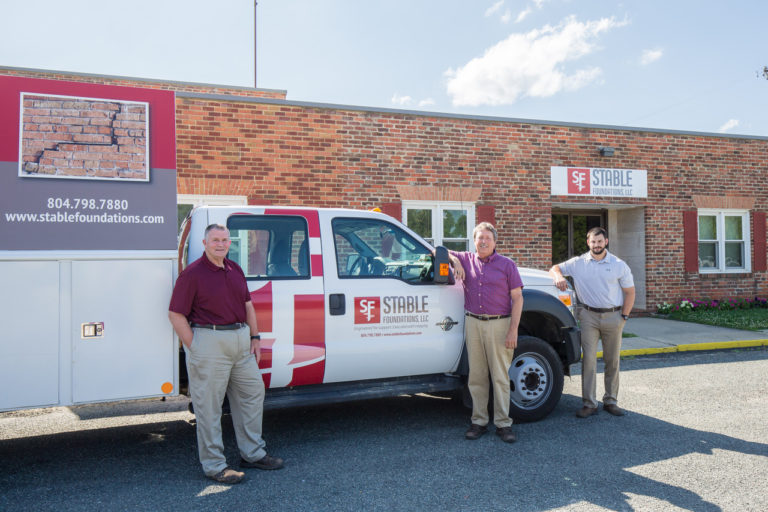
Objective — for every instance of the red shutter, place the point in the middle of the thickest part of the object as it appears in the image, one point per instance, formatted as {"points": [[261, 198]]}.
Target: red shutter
{"points": [[691, 240], [486, 213], [758, 242], [393, 210]]}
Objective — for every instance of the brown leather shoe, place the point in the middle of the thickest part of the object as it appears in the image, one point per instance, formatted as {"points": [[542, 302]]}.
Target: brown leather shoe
{"points": [[228, 476], [266, 462], [613, 409], [586, 412], [506, 434], [475, 431]]}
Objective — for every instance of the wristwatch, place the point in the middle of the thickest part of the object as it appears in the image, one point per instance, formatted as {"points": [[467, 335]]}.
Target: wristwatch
{"points": [[256, 337], [625, 317]]}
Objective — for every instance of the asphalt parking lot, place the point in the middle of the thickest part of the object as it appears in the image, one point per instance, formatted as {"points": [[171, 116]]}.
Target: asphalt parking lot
{"points": [[695, 438]]}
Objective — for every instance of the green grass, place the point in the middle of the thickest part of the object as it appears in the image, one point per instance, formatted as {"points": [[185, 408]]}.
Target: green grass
{"points": [[755, 319]]}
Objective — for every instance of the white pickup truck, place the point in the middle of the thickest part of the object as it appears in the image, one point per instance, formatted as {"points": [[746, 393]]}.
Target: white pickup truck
{"points": [[350, 306]]}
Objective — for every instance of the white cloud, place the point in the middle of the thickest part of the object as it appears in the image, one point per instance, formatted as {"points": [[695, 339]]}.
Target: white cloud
{"points": [[427, 102], [651, 56], [523, 14], [401, 100], [529, 64], [729, 125], [495, 7], [506, 16]]}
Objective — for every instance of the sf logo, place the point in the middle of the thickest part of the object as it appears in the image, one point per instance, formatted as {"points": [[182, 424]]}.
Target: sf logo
{"points": [[578, 181], [367, 310]]}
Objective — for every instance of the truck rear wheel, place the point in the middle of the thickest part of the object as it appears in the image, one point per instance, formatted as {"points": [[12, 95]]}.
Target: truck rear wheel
{"points": [[535, 380]]}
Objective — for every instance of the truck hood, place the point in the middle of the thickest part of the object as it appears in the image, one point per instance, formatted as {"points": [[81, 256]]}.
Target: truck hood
{"points": [[536, 278]]}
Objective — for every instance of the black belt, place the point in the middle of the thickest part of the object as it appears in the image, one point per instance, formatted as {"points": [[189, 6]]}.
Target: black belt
{"points": [[487, 317], [228, 327], [601, 310]]}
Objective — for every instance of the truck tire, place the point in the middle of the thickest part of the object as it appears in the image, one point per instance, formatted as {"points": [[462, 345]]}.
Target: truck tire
{"points": [[535, 380]]}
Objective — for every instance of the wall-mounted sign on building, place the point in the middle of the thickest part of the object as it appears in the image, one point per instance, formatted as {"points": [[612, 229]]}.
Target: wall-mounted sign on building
{"points": [[86, 166], [599, 181]]}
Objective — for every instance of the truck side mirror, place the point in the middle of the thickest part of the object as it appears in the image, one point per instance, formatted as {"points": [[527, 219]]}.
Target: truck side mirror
{"points": [[443, 271]]}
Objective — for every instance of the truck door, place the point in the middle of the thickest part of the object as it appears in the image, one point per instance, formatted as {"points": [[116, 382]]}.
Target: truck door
{"points": [[279, 251], [386, 316]]}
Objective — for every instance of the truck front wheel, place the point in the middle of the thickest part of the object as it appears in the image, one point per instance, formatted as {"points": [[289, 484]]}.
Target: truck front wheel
{"points": [[535, 380]]}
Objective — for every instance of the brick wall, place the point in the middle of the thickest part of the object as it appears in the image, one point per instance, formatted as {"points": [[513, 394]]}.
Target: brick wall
{"points": [[314, 156]]}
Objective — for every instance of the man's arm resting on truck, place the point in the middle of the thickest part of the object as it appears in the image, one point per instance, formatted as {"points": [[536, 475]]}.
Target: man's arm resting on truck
{"points": [[557, 276], [516, 296], [182, 328], [458, 268]]}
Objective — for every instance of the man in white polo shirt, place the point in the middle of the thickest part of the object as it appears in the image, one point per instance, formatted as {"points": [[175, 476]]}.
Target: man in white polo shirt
{"points": [[606, 290]]}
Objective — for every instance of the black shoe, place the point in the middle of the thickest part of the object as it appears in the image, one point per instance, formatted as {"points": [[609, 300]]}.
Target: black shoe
{"points": [[266, 462], [475, 431]]}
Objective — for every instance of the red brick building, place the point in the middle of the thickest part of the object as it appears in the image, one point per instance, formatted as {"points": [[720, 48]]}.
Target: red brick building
{"points": [[691, 225]]}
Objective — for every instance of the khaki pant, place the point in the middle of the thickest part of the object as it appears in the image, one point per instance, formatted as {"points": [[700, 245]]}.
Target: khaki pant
{"points": [[488, 355], [220, 362], [608, 327]]}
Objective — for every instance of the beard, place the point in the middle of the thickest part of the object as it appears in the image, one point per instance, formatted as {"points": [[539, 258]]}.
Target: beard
{"points": [[597, 250]]}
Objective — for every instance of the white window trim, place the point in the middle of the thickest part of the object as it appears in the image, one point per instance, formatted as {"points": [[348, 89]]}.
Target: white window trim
{"points": [[437, 218], [746, 233]]}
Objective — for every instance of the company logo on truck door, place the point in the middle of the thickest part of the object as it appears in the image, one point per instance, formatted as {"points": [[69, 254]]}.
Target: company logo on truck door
{"points": [[367, 310], [392, 309]]}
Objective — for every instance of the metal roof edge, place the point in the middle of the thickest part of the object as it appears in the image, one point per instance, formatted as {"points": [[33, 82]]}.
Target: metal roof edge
{"points": [[423, 113]]}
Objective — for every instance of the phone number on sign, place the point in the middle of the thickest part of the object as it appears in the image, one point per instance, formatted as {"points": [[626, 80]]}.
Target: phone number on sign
{"points": [[59, 203]]}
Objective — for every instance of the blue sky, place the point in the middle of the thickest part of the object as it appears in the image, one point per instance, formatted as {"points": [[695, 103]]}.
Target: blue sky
{"points": [[675, 64]]}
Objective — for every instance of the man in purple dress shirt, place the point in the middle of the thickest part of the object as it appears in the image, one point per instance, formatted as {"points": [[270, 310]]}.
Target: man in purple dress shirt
{"points": [[493, 300]]}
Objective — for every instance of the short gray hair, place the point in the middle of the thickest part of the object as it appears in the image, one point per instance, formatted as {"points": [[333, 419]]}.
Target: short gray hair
{"points": [[485, 226], [211, 227]]}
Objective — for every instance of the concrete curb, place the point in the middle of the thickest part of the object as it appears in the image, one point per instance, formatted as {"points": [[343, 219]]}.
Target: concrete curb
{"points": [[716, 345]]}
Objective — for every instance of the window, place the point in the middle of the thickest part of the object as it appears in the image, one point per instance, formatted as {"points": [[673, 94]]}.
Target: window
{"points": [[270, 246], [723, 241], [367, 248], [444, 223]]}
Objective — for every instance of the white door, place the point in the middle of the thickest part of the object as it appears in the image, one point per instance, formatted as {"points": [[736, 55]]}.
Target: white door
{"points": [[386, 317]]}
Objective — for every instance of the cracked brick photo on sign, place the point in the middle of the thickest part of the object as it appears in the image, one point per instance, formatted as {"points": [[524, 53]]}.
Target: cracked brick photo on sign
{"points": [[83, 138]]}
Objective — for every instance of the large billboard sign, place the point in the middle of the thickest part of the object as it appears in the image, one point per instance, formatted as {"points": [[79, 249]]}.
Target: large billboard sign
{"points": [[86, 166], [599, 181]]}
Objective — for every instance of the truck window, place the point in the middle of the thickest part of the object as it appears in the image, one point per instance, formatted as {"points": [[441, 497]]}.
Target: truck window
{"points": [[370, 248], [270, 247]]}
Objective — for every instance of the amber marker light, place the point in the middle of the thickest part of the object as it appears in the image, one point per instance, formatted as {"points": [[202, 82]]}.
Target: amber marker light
{"points": [[444, 269], [166, 388], [565, 299]]}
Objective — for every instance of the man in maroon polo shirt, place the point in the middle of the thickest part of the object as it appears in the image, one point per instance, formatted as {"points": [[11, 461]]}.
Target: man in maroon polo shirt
{"points": [[212, 314], [493, 300]]}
